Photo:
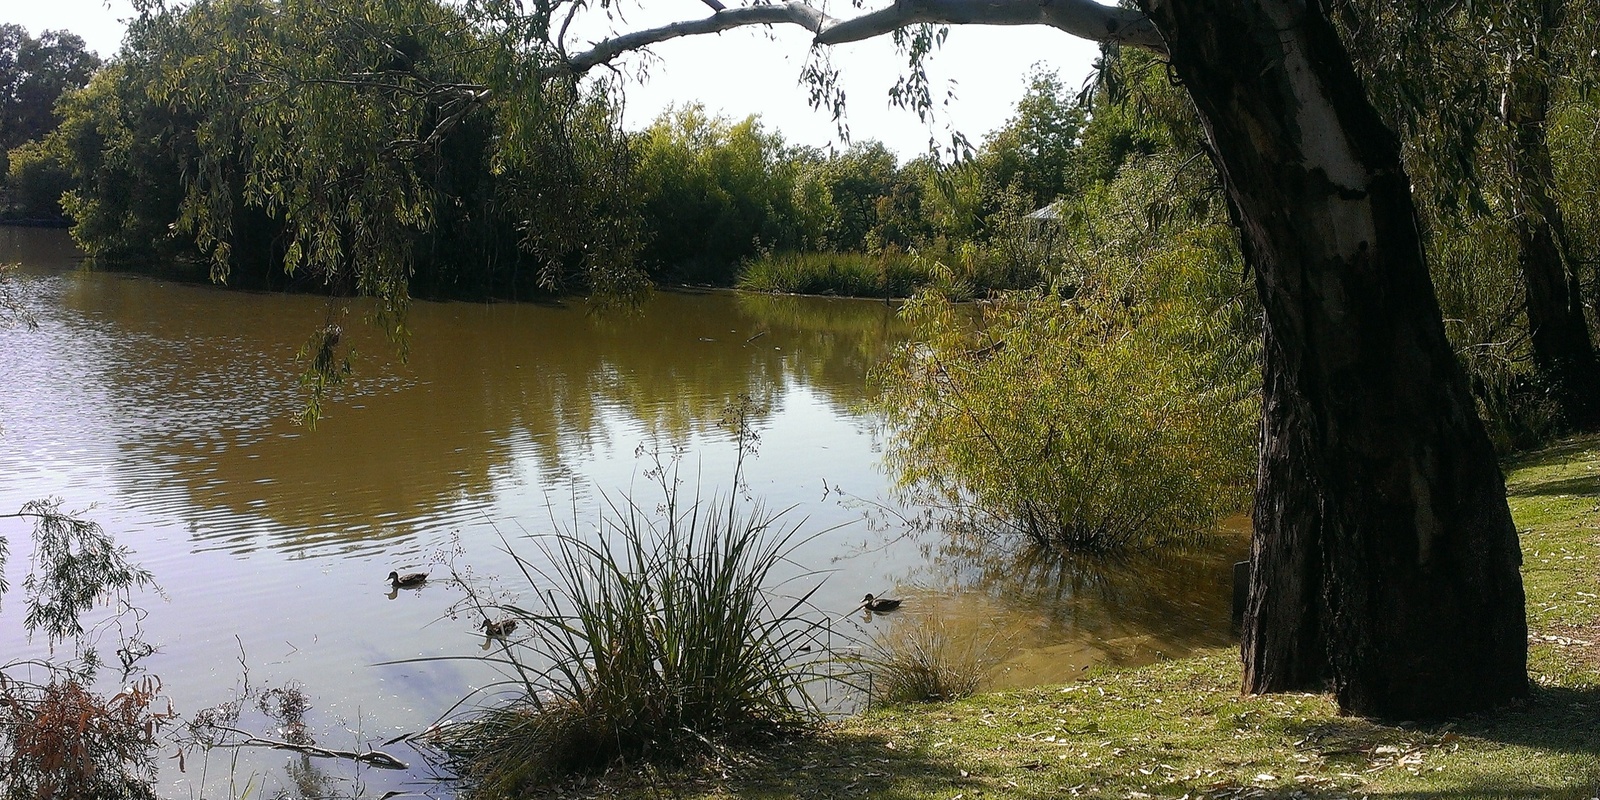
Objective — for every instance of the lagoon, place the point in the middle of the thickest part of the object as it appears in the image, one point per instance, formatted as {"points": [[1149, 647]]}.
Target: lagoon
{"points": [[166, 412]]}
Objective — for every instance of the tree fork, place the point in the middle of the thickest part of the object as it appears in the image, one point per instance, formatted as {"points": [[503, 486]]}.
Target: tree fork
{"points": [[1381, 483]]}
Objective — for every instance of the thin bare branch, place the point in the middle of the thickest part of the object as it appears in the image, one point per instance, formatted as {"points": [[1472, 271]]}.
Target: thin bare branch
{"points": [[793, 13]]}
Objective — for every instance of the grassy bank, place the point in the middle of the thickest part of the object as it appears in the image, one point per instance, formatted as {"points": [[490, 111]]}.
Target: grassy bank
{"points": [[1181, 729], [839, 274]]}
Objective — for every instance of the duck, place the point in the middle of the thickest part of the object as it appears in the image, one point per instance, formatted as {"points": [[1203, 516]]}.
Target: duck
{"points": [[407, 581], [879, 604], [498, 630]]}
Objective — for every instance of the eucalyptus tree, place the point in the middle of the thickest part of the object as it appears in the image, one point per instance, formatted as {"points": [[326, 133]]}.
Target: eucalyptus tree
{"points": [[1384, 556], [1545, 47], [1473, 88]]}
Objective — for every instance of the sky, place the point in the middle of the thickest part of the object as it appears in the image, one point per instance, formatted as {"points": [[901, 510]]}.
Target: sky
{"points": [[983, 70]]}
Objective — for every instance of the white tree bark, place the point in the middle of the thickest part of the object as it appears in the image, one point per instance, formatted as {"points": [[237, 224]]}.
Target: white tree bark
{"points": [[1085, 19]]}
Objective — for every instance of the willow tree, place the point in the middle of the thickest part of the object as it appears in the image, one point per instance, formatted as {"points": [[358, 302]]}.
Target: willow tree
{"points": [[1384, 553], [376, 135]]}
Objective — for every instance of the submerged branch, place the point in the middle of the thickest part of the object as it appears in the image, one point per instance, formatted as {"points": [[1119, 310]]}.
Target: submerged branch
{"points": [[376, 758]]}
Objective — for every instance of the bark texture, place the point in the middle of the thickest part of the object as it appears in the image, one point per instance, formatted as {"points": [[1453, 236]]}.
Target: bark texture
{"points": [[1284, 643], [1382, 536]]}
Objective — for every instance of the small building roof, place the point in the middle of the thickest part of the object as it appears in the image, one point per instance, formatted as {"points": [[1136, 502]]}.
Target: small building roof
{"points": [[1049, 212]]}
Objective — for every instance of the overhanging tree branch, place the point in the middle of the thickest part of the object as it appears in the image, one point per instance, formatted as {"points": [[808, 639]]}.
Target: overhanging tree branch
{"points": [[794, 13], [1085, 19]]}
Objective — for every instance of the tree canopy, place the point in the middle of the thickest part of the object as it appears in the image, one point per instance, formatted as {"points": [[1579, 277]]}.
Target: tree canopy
{"points": [[33, 73]]}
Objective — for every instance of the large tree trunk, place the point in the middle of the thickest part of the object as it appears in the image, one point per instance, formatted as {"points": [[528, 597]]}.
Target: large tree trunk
{"points": [[1561, 346], [1383, 534], [1285, 647]]}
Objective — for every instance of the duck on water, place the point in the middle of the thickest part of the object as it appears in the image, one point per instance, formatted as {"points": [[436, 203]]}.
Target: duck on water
{"points": [[407, 581]]}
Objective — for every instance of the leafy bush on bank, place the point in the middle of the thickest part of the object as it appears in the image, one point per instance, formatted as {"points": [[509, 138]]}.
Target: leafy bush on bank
{"points": [[1117, 410]]}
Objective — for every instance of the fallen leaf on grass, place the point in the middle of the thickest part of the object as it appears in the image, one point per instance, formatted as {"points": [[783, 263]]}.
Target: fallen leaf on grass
{"points": [[1561, 641]]}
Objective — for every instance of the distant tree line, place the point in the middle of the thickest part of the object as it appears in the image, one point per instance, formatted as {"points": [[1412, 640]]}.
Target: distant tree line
{"points": [[174, 159], [34, 73]]}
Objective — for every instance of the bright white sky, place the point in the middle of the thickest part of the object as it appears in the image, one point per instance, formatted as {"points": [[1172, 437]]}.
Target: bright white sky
{"points": [[757, 72]]}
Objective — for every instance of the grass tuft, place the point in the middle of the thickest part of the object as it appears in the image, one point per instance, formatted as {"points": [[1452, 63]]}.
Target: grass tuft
{"points": [[920, 661], [661, 641]]}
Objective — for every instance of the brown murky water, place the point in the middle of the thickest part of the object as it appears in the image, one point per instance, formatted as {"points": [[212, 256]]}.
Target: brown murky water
{"points": [[166, 411]]}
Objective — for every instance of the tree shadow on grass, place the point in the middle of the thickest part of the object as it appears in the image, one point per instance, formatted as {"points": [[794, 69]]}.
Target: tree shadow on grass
{"points": [[1565, 451], [1559, 725], [829, 764], [851, 764], [1469, 790], [1585, 485], [1491, 753]]}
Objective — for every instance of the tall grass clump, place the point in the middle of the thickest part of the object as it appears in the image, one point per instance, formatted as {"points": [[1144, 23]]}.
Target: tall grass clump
{"points": [[843, 274], [1117, 410], [919, 661], [663, 640]]}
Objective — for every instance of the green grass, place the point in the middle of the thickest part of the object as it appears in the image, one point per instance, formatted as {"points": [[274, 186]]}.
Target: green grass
{"points": [[1180, 728], [841, 274]]}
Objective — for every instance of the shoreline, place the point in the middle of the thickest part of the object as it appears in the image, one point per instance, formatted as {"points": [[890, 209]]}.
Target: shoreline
{"points": [[1181, 728]]}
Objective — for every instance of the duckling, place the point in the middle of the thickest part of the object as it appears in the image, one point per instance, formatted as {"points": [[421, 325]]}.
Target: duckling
{"points": [[879, 604], [407, 581], [498, 630]]}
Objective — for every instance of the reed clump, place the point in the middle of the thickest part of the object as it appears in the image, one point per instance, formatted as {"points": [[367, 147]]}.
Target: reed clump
{"points": [[843, 274], [663, 640]]}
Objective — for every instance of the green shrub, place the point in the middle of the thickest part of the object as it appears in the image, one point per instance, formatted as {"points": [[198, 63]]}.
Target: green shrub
{"points": [[1122, 416], [660, 641], [35, 181]]}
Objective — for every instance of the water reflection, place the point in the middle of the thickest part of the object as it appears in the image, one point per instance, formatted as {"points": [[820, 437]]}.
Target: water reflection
{"points": [[1048, 615], [203, 383]]}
